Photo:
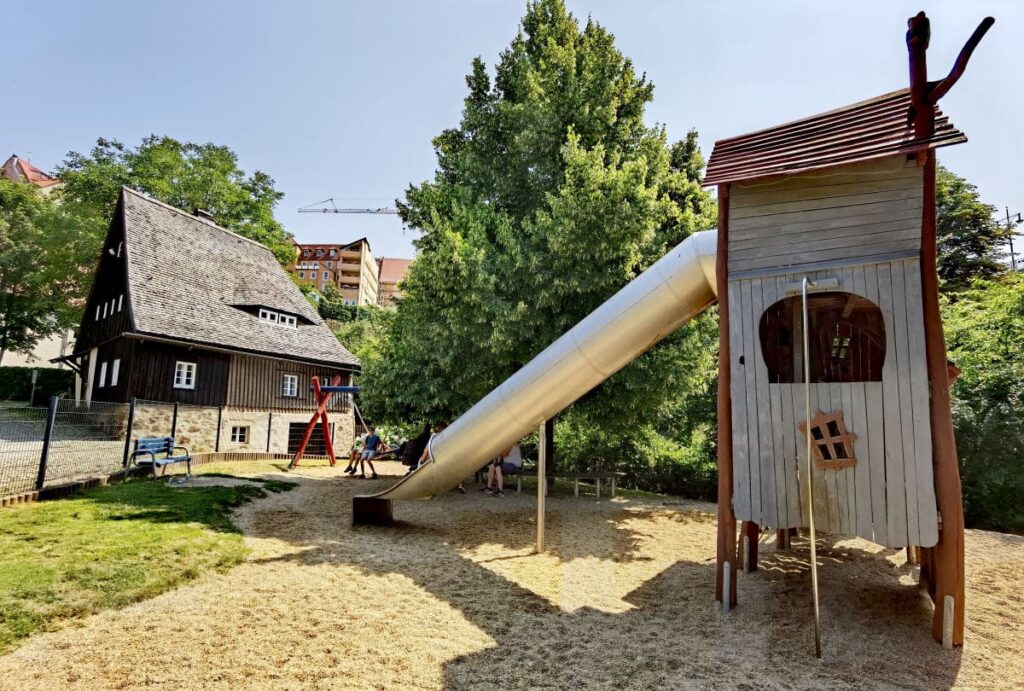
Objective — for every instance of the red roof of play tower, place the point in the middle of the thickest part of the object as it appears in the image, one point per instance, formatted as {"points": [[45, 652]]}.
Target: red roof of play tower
{"points": [[859, 132]]}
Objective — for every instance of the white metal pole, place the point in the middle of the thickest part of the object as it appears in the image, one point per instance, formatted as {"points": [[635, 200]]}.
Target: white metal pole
{"points": [[542, 480], [810, 491]]}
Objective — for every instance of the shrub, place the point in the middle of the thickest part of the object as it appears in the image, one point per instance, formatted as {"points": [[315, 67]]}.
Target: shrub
{"points": [[16, 383]]}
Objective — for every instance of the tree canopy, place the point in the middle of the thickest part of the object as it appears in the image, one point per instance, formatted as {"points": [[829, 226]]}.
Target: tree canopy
{"points": [[43, 246], [970, 241], [985, 337], [183, 174], [550, 195]]}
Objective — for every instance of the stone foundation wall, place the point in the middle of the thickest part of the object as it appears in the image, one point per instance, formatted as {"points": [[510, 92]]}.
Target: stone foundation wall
{"points": [[197, 427]]}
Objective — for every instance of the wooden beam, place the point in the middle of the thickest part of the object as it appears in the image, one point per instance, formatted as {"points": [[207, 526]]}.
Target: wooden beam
{"points": [[945, 569], [726, 516]]}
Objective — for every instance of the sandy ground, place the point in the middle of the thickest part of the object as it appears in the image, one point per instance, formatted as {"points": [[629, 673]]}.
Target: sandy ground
{"points": [[453, 597]]}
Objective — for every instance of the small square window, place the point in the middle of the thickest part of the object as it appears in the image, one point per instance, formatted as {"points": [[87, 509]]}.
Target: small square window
{"points": [[290, 385], [239, 434], [302, 274], [184, 375]]}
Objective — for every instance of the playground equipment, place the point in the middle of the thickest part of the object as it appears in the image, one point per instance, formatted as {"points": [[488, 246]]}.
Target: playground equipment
{"points": [[323, 395], [830, 339]]}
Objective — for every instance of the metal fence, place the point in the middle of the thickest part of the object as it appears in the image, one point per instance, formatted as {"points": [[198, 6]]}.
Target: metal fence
{"points": [[63, 442], [66, 441]]}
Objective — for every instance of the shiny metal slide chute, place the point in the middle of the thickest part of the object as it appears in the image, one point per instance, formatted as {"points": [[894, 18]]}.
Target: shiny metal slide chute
{"points": [[657, 302]]}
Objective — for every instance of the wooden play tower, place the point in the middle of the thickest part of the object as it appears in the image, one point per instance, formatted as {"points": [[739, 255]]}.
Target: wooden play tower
{"points": [[845, 201]]}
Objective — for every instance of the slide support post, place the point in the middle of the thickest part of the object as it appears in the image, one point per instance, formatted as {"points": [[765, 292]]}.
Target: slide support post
{"points": [[542, 481]]}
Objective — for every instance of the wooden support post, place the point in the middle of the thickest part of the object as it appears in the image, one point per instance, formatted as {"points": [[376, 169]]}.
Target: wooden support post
{"points": [[782, 538], [542, 481], [948, 564], [174, 420], [725, 586], [911, 555], [750, 533]]}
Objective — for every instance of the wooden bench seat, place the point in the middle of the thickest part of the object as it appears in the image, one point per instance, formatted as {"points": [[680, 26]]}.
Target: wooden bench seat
{"points": [[596, 476]]}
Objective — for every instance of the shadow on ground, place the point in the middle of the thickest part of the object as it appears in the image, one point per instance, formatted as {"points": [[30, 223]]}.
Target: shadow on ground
{"points": [[553, 623]]}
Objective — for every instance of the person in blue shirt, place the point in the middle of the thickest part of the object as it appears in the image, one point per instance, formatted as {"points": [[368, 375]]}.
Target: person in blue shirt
{"points": [[373, 446]]}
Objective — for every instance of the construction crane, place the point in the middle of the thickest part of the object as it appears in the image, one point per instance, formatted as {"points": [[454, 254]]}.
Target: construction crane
{"points": [[319, 208]]}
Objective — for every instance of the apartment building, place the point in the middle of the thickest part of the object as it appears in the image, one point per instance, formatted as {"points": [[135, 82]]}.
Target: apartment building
{"points": [[391, 273], [349, 267]]}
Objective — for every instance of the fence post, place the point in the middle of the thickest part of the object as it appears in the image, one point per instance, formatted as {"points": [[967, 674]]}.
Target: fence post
{"points": [[220, 416], [270, 427], [128, 432], [174, 421], [51, 417]]}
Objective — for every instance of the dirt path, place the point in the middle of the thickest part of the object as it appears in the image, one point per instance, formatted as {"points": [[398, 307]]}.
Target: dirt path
{"points": [[453, 598]]}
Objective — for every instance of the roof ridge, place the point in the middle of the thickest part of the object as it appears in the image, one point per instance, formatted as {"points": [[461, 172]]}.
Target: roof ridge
{"points": [[204, 221]]}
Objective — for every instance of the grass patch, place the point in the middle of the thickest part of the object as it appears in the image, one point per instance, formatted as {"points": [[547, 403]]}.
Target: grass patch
{"points": [[112, 546]]}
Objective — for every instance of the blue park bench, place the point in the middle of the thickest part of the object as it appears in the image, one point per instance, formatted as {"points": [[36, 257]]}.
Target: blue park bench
{"points": [[161, 453]]}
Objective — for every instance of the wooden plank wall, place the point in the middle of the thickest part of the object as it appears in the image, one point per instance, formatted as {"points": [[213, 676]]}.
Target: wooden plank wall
{"points": [[255, 382], [853, 212], [888, 496]]}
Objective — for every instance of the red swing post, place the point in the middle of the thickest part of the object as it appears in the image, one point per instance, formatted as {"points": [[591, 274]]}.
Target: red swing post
{"points": [[323, 400]]}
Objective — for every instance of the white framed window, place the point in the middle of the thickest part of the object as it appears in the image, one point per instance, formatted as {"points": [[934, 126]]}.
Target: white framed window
{"points": [[319, 253], [115, 370], [325, 275], [105, 306], [120, 246], [239, 434], [184, 375], [330, 265], [277, 317], [120, 302], [102, 381], [97, 312], [302, 274], [290, 385]]}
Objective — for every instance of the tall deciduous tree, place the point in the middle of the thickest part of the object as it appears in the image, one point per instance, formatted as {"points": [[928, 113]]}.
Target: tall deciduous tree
{"points": [[43, 247], [186, 175], [550, 195], [970, 241]]}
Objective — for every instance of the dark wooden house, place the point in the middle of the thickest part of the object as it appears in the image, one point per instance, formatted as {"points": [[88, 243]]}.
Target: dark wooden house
{"points": [[184, 311]]}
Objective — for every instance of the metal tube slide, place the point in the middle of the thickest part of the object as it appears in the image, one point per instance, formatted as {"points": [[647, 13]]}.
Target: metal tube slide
{"points": [[657, 302]]}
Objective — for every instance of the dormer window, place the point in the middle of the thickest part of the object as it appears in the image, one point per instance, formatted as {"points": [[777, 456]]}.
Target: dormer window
{"points": [[319, 253], [305, 253], [275, 317]]}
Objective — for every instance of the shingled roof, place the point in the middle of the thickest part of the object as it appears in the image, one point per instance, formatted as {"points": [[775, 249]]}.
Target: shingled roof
{"points": [[859, 132], [191, 280]]}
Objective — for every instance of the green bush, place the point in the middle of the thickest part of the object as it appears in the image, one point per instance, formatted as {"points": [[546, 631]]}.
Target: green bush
{"points": [[16, 383], [985, 338]]}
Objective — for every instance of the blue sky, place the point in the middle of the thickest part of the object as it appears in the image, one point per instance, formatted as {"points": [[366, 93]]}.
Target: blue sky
{"points": [[341, 99]]}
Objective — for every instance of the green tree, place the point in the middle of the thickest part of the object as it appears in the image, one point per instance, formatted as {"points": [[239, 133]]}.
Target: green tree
{"points": [[43, 246], [549, 196], [985, 336], [970, 241], [183, 174]]}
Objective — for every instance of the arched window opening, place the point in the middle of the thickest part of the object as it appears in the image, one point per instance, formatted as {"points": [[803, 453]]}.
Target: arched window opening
{"points": [[846, 339]]}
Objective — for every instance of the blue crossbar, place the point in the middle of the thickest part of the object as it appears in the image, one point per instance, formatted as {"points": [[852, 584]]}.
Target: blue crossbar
{"points": [[338, 389]]}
